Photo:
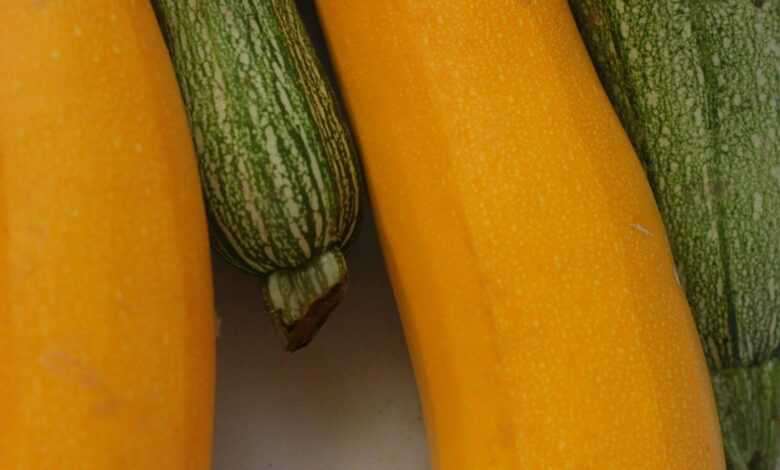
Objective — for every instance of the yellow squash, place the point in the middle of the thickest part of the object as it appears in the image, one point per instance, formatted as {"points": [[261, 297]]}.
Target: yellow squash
{"points": [[106, 312], [527, 255]]}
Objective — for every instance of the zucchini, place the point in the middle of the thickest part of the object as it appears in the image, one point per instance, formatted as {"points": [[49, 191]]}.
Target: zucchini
{"points": [[278, 165], [697, 87], [106, 299], [527, 255]]}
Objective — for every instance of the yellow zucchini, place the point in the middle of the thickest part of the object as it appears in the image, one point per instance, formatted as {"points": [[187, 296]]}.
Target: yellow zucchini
{"points": [[106, 305], [529, 260]]}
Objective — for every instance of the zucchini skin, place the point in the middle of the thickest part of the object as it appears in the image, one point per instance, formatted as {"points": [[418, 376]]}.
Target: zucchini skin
{"points": [[697, 87], [279, 168]]}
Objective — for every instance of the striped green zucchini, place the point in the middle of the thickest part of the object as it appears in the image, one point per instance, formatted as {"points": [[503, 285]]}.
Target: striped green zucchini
{"points": [[697, 86], [278, 165]]}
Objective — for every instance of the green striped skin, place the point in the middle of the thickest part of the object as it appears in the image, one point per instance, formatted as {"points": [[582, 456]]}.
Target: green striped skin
{"points": [[279, 169], [697, 86]]}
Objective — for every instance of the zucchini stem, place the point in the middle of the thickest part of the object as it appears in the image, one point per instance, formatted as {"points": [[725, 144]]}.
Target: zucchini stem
{"points": [[300, 300]]}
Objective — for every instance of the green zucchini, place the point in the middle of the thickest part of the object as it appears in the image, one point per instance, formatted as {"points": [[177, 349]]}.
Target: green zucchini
{"points": [[278, 165], [697, 86]]}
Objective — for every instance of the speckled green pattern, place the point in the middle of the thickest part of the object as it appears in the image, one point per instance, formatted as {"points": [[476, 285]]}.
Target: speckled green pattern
{"points": [[697, 86], [278, 166]]}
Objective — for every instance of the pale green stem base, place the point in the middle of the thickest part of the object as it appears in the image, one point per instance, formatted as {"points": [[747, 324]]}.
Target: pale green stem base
{"points": [[749, 407], [300, 300]]}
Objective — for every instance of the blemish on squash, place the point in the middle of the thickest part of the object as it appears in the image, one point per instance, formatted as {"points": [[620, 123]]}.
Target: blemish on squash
{"points": [[67, 367], [642, 229]]}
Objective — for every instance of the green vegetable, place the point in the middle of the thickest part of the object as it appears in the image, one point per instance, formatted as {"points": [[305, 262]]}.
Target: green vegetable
{"points": [[278, 164]]}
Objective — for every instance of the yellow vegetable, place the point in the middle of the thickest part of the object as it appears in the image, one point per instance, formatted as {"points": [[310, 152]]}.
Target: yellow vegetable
{"points": [[106, 311], [527, 255]]}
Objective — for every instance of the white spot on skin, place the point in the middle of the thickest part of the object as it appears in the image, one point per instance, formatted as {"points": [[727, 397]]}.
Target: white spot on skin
{"points": [[715, 60], [77, 31], [737, 100], [642, 229], [55, 55], [633, 55]]}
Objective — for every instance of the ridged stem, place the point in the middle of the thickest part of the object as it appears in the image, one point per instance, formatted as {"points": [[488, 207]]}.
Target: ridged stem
{"points": [[749, 407], [300, 300]]}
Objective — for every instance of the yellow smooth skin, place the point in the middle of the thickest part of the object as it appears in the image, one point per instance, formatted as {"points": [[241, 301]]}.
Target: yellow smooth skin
{"points": [[106, 308], [528, 258]]}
